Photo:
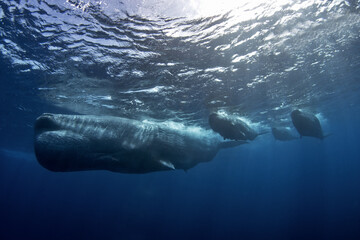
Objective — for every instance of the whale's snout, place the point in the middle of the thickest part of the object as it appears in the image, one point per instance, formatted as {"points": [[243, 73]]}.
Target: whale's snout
{"points": [[60, 147], [56, 148], [45, 122], [295, 113]]}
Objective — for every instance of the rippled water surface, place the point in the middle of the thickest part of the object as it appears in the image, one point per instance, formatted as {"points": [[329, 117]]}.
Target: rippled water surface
{"points": [[180, 61]]}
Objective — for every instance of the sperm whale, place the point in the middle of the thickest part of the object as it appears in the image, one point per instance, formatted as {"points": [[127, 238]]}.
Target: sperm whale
{"points": [[231, 127], [307, 124]]}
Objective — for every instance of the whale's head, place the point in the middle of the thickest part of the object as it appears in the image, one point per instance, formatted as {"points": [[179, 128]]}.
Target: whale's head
{"points": [[295, 113], [56, 147], [61, 146]]}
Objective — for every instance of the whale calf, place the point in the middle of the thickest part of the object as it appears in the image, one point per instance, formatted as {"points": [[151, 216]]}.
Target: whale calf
{"points": [[282, 134], [231, 127], [84, 142], [307, 124]]}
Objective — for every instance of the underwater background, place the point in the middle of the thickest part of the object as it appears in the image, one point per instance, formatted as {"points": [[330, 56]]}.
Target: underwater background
{"points": [[181, 61]]}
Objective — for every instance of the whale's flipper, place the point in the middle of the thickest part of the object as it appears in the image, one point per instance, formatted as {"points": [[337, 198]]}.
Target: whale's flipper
{"points": [[231, 144], [167, 164]]}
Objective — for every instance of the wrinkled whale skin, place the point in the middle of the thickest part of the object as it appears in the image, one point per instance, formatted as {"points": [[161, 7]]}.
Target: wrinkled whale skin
{"points": [[307, 124], [282, 134], [84, 142], [231, 127]]}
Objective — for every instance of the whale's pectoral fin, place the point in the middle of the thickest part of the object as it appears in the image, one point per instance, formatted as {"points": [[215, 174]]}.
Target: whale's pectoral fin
{"points": [[231, 144], [167, 164]]}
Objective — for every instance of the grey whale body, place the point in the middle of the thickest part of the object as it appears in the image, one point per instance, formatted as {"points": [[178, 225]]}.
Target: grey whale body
{"points": [[84, 142]]}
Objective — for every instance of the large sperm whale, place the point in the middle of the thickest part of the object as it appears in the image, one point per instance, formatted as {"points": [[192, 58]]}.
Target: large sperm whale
{"points": [[84, 142], [307, 124]]}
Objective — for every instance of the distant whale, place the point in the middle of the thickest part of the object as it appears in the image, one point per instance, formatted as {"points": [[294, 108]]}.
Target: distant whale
{"points": [[84, 142], [282, 134], [231, 127], [307, 124]]}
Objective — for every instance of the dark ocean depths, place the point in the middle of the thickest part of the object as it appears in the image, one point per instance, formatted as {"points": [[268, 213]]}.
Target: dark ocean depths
{"points": [[179, 61]]}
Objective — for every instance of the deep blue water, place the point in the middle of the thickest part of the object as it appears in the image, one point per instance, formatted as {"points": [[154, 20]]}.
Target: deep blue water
{"points": [[304, 189], [63, 57]]}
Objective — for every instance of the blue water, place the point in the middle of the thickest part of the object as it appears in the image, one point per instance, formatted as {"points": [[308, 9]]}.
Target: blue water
{"points": [[179, 62]]}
